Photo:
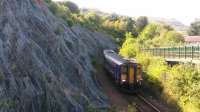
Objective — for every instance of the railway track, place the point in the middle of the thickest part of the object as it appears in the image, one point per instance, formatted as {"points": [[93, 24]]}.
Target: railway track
{"points": [[152, 107], [142, 104]]}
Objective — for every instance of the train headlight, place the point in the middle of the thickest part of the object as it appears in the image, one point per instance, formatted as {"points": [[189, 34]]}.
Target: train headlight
{"points": [[123, 80]]}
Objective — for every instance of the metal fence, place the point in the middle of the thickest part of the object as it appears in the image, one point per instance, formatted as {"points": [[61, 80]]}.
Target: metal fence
{"points": [[192, 52]]}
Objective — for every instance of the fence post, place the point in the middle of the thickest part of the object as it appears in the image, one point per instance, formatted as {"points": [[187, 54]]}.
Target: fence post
{"points": [[179, 52], [185, 52], [155, 51], [160, 52], [164, 52], [152, 51], [198, 51], [168, 52], [192, 52]]}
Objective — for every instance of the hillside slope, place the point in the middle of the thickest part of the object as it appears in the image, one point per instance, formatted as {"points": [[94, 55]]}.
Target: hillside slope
{"points": [[45, 66], [177, 25]]}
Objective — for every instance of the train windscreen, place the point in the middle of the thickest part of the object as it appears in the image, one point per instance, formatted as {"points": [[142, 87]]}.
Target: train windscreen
{"points": [[124, 71]]}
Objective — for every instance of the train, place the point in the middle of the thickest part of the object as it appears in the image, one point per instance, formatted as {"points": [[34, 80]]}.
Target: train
{"points": [[125, 73]]}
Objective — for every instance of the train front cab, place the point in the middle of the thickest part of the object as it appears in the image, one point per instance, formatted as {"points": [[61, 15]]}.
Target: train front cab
{"points": [[130, 77], [135, 76]]}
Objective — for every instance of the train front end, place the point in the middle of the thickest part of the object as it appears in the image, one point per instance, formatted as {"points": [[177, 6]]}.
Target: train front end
{"points": [[127, 74], [131, 77]]}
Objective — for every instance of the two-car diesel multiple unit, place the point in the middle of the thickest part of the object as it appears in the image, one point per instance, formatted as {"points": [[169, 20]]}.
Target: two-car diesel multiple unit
{"points": [[126, 74]]}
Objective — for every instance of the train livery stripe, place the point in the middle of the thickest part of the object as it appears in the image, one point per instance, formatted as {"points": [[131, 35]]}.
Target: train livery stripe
{"points": [[131, 74], [135, 73]]}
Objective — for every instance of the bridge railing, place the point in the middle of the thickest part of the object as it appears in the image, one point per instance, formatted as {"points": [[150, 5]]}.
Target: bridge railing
{"points": [[187, 52]]}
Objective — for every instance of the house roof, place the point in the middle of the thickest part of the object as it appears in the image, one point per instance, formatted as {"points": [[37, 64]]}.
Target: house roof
{"points": [[192, 38]]}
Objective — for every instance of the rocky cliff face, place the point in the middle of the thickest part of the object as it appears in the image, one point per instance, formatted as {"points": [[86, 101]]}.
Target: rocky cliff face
{"points": [[45, 66]]}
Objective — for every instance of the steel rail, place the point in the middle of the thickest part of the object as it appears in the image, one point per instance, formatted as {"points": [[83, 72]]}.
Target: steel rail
{"points": [[148, 103]]}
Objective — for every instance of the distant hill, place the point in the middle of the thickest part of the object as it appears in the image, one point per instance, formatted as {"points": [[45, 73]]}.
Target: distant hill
{"points": [[85, 10], [177, 25], [100, 13]]}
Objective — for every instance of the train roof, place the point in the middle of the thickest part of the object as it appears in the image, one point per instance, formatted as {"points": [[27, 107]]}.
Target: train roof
{"points": [[132, 60], [113, 56]]}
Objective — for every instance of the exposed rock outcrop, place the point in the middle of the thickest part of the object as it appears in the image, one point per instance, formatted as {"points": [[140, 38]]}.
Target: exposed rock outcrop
{"points": [[45, 66]]}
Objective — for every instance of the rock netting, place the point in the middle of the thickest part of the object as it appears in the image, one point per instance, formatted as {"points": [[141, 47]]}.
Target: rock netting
{"points": [[46, 66]]}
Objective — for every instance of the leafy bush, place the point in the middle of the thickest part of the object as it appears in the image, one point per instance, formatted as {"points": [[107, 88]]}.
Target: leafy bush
{"points": [[180, 83], [128, 50], [150, 32], [157, 69], [186, 87], [129, 47]]}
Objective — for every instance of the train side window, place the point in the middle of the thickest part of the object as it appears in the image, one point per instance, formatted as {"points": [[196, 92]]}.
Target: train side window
{"points": [[124, 69]]}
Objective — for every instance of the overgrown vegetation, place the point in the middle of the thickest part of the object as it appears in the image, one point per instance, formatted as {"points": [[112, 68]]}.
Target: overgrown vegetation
{"points": [[194, 28], [112, 24], [179, 83], [153, 35], [183, 86]]}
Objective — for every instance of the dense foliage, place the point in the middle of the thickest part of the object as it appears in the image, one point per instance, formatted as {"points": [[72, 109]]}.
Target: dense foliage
{"points": [[72, 6], [178, 83], [186, 87], [194, 28], [153, 35], [112, 24], [141, 23]]}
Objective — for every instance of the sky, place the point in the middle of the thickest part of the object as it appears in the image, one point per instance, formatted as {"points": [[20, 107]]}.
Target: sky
{"points": [[185, 11]]}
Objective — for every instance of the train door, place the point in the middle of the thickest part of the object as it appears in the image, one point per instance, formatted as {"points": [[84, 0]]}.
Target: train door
{"points": [[139, 73], [135, 73], [131, 73]]}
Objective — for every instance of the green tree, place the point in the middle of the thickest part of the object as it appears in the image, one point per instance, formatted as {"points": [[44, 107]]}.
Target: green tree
{"points": [[72, 7], [59, 9], [194, 28], [185, 80], [150, 31], [93, 21], [141, 22], [174, 37], [130, 47], [131, 25]]}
